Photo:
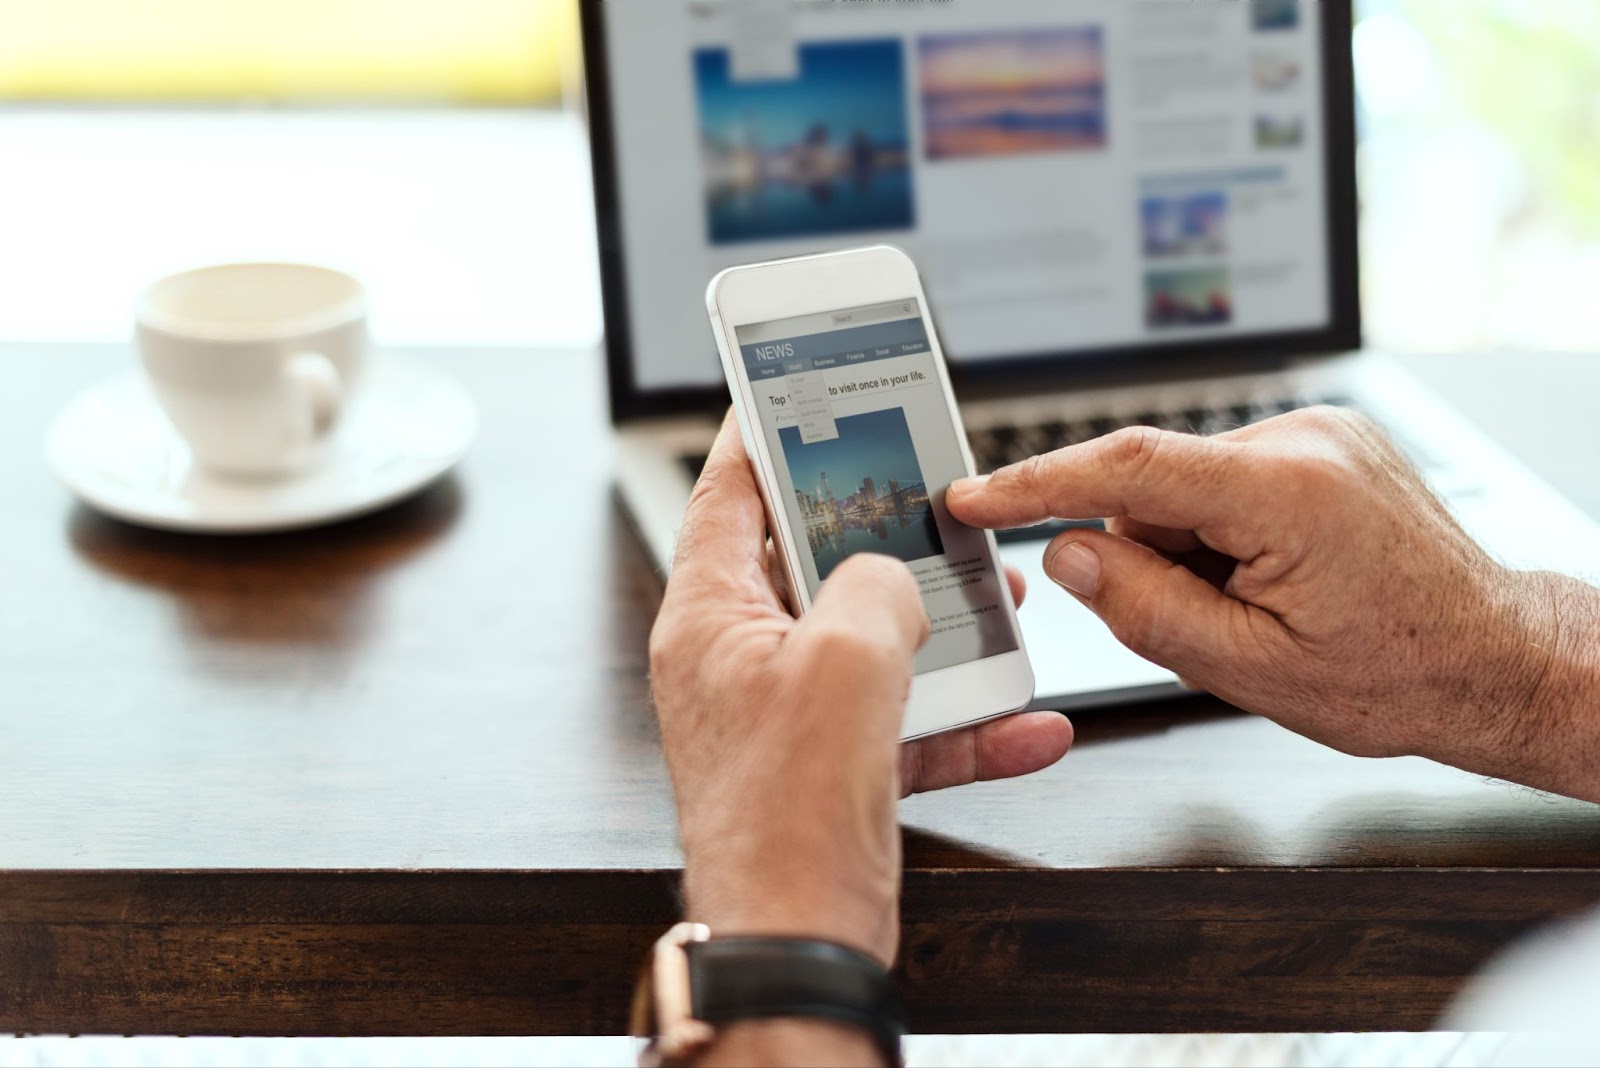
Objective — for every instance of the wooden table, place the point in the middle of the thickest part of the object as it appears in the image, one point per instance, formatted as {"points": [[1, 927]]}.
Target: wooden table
{"points": [[400, 777]]}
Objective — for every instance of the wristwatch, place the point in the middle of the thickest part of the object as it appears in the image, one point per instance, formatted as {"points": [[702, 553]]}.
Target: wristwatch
{"points": [[694, 983]]}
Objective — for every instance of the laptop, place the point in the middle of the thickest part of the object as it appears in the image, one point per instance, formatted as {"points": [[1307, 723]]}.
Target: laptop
{"points": [[1125, 213]]}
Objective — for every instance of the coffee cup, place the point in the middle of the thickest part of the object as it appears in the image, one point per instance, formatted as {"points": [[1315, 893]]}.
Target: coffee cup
{"points": [[254, 363]]}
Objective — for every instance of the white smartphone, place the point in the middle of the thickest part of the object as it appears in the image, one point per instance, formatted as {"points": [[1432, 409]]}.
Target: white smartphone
{"points": [[841, 391]]}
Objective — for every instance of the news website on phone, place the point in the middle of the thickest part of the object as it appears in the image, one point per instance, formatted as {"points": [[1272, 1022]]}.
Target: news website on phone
{"points": [[855, 416]]}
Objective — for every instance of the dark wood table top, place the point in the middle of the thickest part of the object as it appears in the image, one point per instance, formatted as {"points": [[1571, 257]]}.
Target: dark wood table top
{"points": [[400, 776]]}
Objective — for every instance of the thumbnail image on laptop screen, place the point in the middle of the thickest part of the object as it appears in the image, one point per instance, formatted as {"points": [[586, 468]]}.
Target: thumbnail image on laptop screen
{"points": [[1068, 174]]}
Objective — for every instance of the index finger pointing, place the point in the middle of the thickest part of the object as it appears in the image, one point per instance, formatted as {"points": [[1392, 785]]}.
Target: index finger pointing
{"points": [[1159, 477]]}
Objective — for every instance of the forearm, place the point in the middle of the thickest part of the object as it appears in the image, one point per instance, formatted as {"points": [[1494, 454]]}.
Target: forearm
{"points": [[764, 904], [1541, 727], [780, 866]]}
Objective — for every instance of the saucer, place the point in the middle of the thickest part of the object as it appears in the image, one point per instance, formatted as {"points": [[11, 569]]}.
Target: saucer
{"points": [[115, 449]]}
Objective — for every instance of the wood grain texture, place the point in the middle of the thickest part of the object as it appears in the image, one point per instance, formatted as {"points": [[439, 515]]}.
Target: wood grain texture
{"points": [[399, 776], [509, 953]]}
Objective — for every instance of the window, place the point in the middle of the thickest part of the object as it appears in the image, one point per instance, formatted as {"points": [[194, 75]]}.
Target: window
{"points": [[472, 51], [1481, 172]]}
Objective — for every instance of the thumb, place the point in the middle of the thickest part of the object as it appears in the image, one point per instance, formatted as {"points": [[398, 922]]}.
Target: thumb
{"points": [[1159, 609], [870, 602], [854, 649]]}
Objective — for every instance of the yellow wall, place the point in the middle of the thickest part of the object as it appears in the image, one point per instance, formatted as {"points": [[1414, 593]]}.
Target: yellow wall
{"points": [[476, 51]]}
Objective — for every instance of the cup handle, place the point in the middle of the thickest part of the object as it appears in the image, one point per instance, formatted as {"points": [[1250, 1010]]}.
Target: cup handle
{"points": [[319, 383]]}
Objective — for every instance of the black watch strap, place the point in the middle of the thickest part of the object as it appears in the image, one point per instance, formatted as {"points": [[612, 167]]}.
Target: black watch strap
{"points": [[752, 978]]}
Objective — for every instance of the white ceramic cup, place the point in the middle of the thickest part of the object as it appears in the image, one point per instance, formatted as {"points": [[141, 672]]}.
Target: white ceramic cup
{"points": [[254, 363]]}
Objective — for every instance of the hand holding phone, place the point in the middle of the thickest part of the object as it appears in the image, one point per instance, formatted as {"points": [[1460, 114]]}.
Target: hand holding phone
{"points": [[844, 401]]}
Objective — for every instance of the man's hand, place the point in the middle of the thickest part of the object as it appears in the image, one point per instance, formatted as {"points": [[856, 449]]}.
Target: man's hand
{"points": [[1300, 568], [782, 736]]}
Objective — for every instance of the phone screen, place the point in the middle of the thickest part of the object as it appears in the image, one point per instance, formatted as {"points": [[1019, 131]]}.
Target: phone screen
{"points": [[854, 414]]}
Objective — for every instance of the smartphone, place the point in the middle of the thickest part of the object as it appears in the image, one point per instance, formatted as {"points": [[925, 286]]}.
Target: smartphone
{"points": [[842, 394]]}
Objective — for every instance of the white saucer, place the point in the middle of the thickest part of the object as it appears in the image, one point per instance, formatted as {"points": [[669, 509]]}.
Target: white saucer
{"points": [[115, 449]]}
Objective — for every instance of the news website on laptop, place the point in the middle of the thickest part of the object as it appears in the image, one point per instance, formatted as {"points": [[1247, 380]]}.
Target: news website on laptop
{"points": [[1068, 174]]}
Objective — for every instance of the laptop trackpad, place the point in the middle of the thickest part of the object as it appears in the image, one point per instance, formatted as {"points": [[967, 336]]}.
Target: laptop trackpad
{"points": [[1076, 661]]}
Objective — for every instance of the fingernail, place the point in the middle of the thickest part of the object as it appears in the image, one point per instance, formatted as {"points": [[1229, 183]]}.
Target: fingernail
{"points": [[1077, 567], [969, 485]]}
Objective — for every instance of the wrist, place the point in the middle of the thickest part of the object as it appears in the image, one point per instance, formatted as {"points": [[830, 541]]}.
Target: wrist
{"points": [[1539, 682], [797, 895], [787, 1042], [741, 906], [775, 999]]}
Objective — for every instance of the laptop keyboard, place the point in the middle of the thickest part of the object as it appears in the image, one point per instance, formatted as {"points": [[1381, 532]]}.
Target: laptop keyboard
{"points": [[996, 446]]}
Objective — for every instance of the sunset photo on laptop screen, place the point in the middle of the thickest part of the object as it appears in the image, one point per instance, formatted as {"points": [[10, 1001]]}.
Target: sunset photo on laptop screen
{"points": [[1009, 92]]}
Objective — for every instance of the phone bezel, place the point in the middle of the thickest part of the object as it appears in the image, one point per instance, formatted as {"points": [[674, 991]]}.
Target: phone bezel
{"points": [[942, 700]]}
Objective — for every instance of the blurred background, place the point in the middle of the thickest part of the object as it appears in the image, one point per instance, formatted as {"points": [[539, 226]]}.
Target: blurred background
{"points": [[1480, 172], [431, 147], [419, 144], [422, 144]]}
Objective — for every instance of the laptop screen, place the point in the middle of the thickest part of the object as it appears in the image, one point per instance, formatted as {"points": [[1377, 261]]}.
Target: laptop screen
{"points": [[1073, 177]]}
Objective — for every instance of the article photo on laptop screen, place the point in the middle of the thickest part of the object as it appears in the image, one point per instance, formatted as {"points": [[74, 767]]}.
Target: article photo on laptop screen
{"points": [[1069, 175], [855, 418]]}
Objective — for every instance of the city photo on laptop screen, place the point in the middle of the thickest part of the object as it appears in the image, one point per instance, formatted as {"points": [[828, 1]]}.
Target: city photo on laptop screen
{"points": [[1071, 176]]}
